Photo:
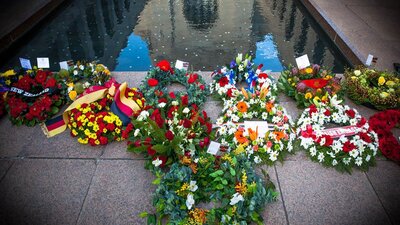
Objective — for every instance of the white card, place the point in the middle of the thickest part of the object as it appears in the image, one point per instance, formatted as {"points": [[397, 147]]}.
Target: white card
{"points": [[25, 63], [369, 60], [43, 62], [262, 127], [213, 148], [181, 65], [302, 62], [64, 65]]}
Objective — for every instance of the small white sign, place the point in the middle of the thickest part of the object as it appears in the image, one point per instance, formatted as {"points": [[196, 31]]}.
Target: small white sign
{"points": [[369, 60], [64, 65], [43, 62], [213, 148], [302, 62], [181, 65], [25, 63], [261, 125]]}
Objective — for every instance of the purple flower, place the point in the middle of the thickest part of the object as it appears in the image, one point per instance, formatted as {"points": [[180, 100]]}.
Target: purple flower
{"points": [[315, 68], [233, 64], [301, 87], [295, 71]]}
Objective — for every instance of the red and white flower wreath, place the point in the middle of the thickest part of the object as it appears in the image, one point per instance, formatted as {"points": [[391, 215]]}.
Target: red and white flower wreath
{"points": [[356, 145]]}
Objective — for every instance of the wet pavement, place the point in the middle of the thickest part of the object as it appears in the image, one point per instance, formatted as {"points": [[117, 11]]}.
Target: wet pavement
{"points": [[58, 181]]}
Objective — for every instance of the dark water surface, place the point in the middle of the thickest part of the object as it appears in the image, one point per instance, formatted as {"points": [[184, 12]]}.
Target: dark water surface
{"points": [[132, 35]]}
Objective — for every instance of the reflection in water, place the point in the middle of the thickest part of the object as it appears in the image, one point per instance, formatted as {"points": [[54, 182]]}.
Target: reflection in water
{"points": [[200, 14], [267, 54], [136, 51], [131, 35]]}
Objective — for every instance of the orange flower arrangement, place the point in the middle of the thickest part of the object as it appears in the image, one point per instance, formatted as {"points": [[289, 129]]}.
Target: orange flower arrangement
{"points": [[279, 135], [240, 137], [242, 107]]}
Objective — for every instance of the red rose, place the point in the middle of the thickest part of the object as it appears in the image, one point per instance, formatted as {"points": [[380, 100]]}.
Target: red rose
{"points": [[223, 81], [162, 100], [192, 78], [110, 126], [150, 150], [51, 83], [164, 66], [171, 110], [152, 82], [209, 128], [201, 120], [313, 109], [205, 114], [202, 87], [172, 95], [350, 113], [137, 143], [187, 123], [205, 142], [362, 122], [348, 146], [92, 142], [328, 140], [263, 75], [327, 113], [185, 100], [169, 135], [230, 92], [365, 137], [41, 77], [103, 140]]}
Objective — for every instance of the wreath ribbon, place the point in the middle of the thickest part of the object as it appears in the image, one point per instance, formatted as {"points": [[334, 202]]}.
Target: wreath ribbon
{"points": [[315, 83], [122, 107]]}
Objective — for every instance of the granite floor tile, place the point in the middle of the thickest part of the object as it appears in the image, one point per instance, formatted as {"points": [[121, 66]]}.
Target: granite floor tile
{"points": [[274, 213], [4, 166], [13, 139], [44, 191], [41, 146], [118, 150], [120, 190], [385, 179], [317, 195], [213, 109]]}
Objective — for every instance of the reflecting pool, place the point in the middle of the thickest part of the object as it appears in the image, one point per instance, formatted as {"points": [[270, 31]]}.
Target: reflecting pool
{"points": [[132, 35]]}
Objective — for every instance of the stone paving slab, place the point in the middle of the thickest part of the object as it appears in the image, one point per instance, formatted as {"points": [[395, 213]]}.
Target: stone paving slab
{"points": [[317, 195], [118, 150], [385, 179], [120, 190], [13, 139], [4, 166], [41, 146], [43, 191]]}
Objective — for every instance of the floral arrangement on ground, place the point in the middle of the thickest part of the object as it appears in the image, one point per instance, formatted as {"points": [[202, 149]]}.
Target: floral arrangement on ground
{"points": [[34, 97], [353, 144], [222, 190], [309, 85], [265, 141], [223, 86], [155, 84], [377, 89], [81, 76], [96, 123], [169, 131], [383, 123]]}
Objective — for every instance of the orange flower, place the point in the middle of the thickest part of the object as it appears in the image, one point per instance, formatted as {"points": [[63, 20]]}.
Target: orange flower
{"points": [[244, 92], [241, 188], [240, 137], [263, 93], [279, 135], [269, 106], [242, 107], [253, 134]]}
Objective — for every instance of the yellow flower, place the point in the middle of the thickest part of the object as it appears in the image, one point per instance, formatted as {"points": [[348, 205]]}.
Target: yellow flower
{"points": [[70, 84], [390, 83], [140, 103], [74, 124], [8, 73], [72, 95], [328, 77], [118, 122], [104, 130], [293, 84], [117, 130], [289, 80], [8, 82], [324, 98], [381, 80], [95, 127], [308, 95], [74, 132], [97, 142], [90, 124], [384, 94], [309, 70], [87, 132], [353, 77], [93, 136], [316, 98]]}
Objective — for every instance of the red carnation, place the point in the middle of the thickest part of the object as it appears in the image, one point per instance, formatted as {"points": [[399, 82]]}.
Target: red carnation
{"points": [[263, 75], [172, 95], [348, 146], [350, 113], [209, 128], [51, 83], [230, 92], [327, 113], [205, 114], [160, 100], [187, 123], [41, 77], [152, 82], [150, 150], [202, 87], [223, 81], [169, 135], [185, 100], [103, 140], [365, 137], [110, 126], [313, 109], [164, 66], [205, 142], [328, 140], [192, 78]]}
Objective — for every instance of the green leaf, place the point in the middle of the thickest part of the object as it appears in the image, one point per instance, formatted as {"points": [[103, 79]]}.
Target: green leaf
{"points": [[232, 171], [162, 149], [217, 173], [151, 219], [54, 110], [156, 181], [143, 214]]}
